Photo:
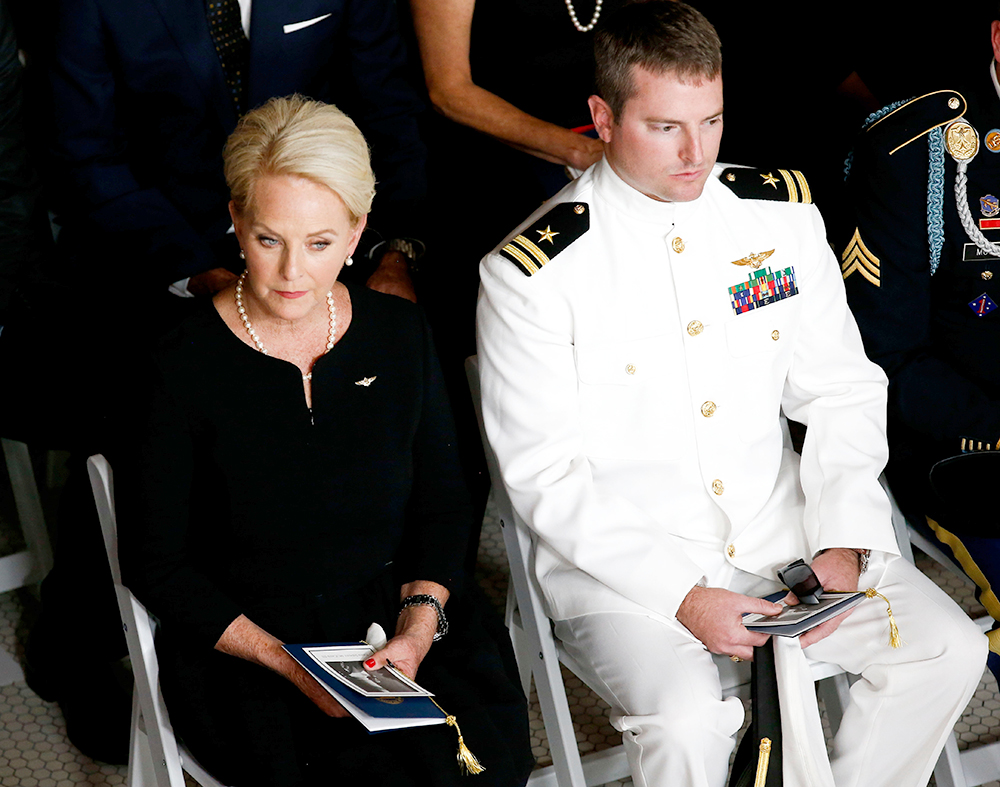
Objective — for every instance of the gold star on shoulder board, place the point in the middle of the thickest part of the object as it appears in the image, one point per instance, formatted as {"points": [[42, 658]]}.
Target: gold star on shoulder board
{"points": [[770, 180], [547, 234]]}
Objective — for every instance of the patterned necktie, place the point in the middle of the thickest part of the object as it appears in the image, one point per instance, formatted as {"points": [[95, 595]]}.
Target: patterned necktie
{"points": [[231, 45]]}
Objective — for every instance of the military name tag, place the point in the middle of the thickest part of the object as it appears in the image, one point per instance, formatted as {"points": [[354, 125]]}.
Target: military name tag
{"points": [[972, 253], [762, 289]]}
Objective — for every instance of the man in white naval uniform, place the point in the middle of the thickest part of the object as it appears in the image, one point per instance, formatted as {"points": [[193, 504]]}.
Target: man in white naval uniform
{"points": [[642, 338]]}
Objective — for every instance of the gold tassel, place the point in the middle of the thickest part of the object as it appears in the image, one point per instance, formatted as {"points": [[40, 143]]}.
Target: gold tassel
{"points": [[762, 761], [467, 761], [895, 640]]}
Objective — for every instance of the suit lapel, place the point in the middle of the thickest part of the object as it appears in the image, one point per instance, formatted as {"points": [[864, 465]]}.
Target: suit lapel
{"points": [[189, 28]]}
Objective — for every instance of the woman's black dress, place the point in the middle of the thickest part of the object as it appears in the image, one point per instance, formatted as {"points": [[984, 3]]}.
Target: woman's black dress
{"points": [[240, 500]]}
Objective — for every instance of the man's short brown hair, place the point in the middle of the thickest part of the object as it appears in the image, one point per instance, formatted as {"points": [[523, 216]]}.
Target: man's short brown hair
{"points": [[660, 36]]}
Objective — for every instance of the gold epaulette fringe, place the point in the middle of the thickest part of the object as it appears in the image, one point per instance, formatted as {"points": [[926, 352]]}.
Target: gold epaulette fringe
{"points": [[894, 639]]}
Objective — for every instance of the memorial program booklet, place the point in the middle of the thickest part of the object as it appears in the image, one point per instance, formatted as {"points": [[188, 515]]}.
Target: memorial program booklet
{"points": [[793, 621], [384, 699]]}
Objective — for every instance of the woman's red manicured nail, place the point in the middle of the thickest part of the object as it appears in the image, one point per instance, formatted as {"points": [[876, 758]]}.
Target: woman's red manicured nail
{"points": [[370, 663]]}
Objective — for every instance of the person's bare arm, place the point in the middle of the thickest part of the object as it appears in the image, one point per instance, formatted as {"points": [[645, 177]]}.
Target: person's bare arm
{"points": [[246, 640], [444, 29], [415, 630]]}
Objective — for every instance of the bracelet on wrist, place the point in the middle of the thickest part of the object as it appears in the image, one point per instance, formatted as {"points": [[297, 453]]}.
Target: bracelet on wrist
{"points": [[427, 600]]}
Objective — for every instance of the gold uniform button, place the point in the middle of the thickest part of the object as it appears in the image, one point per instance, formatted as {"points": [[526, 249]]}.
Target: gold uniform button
{"points": [[630, 369], [775, 335], [953, 103], [678, 245], [579, 209], [731, 550], [717, 487], [695, 327], [708, 409]]}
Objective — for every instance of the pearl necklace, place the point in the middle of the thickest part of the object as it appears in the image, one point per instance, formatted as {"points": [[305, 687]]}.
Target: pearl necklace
{"points": [[593, 19], [252, 332]]}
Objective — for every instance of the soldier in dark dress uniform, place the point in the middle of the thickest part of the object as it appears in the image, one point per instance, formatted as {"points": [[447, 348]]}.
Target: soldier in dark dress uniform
{"points": [[922, 270]]}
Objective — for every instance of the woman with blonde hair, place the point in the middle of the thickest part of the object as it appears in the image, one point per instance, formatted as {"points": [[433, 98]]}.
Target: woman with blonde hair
{"points": [[296, 481]]}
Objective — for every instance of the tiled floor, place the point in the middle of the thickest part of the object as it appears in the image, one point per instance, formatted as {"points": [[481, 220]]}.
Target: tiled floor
{"points": [[34, 750]]}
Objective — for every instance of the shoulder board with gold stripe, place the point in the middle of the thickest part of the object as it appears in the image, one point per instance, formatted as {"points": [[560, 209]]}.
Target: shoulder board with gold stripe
{"points": [[781, 185], [532, 249], [916, 118]]}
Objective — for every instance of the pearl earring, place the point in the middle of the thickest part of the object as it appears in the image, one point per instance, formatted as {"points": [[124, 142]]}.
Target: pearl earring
{"points": [[349, 261], [243, 255]]}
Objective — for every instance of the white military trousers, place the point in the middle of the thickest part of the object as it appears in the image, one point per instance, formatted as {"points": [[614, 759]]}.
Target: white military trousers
{"points": [[666, 698]]}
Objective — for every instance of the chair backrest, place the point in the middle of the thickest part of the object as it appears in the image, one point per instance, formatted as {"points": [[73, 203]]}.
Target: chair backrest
{"points": [[163, 757]]}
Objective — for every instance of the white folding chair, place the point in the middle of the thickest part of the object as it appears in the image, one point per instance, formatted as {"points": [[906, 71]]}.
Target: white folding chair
{"points": [[955, 768], [539, 653], [31, 564], [156, 758]]}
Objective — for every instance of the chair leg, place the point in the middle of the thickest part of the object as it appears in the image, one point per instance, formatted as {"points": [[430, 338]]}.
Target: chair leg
{"points": [[140, 759], [29, 505], [949, 772], [835, 692]]}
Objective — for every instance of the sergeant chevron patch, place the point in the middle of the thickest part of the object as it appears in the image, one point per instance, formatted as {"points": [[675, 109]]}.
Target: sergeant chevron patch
{"points": [[857, 258], [548, 236]]}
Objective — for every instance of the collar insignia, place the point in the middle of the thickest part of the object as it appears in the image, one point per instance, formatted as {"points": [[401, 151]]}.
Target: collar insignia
{"points": [[366, 381]]}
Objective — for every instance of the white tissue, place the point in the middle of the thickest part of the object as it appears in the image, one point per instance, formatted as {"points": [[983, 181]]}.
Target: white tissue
{"points": [[376, 636]]}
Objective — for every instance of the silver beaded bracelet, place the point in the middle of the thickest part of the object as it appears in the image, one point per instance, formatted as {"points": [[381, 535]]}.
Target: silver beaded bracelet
{"points": [[427, 600]]}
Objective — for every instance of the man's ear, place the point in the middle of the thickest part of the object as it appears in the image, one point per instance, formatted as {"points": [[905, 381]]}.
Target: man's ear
{"points": [[603, 117], [995, 38]]}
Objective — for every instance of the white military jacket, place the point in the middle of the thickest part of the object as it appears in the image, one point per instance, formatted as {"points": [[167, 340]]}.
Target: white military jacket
{"points": [[635, 375]]}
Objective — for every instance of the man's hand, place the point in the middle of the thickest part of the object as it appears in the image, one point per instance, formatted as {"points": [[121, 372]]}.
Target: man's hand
{"points": [[837, 571], [715, 616], [210, 282], [392, 277]]}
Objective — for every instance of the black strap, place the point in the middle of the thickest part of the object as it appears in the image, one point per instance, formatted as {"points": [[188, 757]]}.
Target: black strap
{"points": [[766, 723]]}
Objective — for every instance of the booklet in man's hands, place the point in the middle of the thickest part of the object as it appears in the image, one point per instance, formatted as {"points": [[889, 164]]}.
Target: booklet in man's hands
{"points": [[383, 699], [793, 621]]}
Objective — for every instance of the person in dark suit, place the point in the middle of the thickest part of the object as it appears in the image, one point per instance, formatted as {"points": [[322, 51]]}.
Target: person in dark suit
{"points": [[924, 284], [139, 97], [142, 103]]}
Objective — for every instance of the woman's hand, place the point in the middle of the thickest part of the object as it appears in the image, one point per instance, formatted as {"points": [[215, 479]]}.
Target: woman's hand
{"points": [[415, 629], [444, 35], [246, 640]]}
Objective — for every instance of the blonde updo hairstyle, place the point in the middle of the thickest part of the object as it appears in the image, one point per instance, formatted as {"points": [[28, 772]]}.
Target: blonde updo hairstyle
{"points": [[304, 138]]}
